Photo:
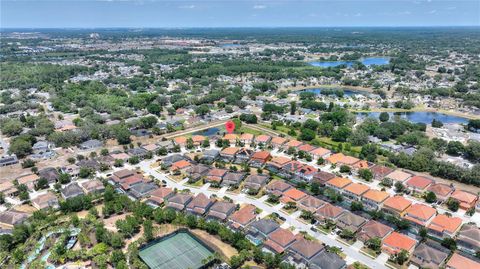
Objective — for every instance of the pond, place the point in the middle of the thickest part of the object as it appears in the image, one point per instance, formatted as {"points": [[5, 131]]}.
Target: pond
{"points": [[208, 132], [366, 61], [418, 117], [331, 91]]}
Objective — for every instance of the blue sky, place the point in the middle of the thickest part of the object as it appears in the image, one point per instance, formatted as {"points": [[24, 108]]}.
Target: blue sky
{"points": [[240, 13]]}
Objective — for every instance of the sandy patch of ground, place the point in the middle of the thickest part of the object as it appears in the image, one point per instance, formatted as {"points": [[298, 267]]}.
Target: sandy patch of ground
{"points": [[110, 222], [216, 244], [26, 208]]}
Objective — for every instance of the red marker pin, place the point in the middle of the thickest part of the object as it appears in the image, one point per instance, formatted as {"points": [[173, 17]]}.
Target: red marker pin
{"points": [[230, 126]]}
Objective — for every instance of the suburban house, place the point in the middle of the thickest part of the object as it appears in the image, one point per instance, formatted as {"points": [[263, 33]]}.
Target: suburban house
{"points": [[198, 139], [263, 139], [258, 230], [278, 142], [395, 242], [72, 190], [350, 221], [260, 158], [466, 199], [327, 260], [215, 175], [72, 169], [255, 182], [120, 156], [320, 153], [233, 178], [338, 183], [322, 177], [374, 199], [180, 166], [301, 252], [458, 261], [310, 203], [50, 174], [429, 254], [442, 191], [210, 155], [353, 192], [396, 206], [341, 159], [328, 212], [92, 186], [91, 144], [141, 189], [29, 180], [290, 168], [373, 229], [159, 196], [221, 210], [243, 217], [169, 160], [277, 187], [398, 176], [276, 163], [228, 154], [179, 201], [293, 144], [232, 138], [306, 172], [8, 160], [12, 218], [200, 204], [278, 240], [197, 171], [137, 152], [419, 183], [419, 215], [380, 172], [468, 239], [180, 141], [243, 155], [306, 148], [246, 138], [45, 201], [443, 226], [292, 195]]}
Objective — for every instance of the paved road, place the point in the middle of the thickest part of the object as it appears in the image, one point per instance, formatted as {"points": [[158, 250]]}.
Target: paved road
{"points": [[242, 198]]}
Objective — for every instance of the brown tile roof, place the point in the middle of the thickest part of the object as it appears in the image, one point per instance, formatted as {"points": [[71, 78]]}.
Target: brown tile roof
{"points": [[230, 150], [230, 137], [306, 148], [244, 216], [293, 143], [294, 194], [357, 188], [339, 182], [464, 196], [421, 212], [419, 182], [440, 189], [399, 175], [261, 155], [374, 229], [320, 151], [398, 203], [278, 140], [306, 248], [343, 159], [278, 185], [180, 140], [246, 136], [262, 138], [311, 203], [279, 161], [180, 165], [461, 262], [376, 195], [380, 170], [329, 211], [282, 237]]}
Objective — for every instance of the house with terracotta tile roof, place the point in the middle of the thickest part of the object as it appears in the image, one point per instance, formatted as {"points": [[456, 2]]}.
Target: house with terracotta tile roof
{"points": [[180, 140], [458, 261], [419, 215], [159, 196], [279, 240], [255, 182], [338, 183], [302, 251], [293, 144], [442, 191], [92, 186], [342, 159], [215, 175], [276, 163], [361, 164], [45, 201], [243, 217], [374, 199], [260, 158], [395, 242], [120, 156], [396, 205], [321, 177], [292, 195], [466, 199], [305, 173], [380, 172], [232, 138], [310, 203], [290, 168], [321, 153], [328, 212], [277, 187], [373, 229], [246, 138], [229, 154], [180, 166], [419, 183], [198, 139], [354, 191], [306, 148], [398, 176], [150, 147], [200, 204], [350, 221], [243, 155], [443, 226], [429, 254], [278, 142], [468, 239], [263, 139]]}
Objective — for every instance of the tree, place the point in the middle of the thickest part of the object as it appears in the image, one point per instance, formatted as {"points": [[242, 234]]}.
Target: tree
{"points": [[42, 183], [123, 135], [366, 174], [399, 187], [437, 124], [307, 134], [341, 134], [345, 169], [430, 197], [347, 234], [449, 243], [374, 243], [453, 204], [423, 233], [202, 110], [11, 127], [455, 148], [401, 257], [369, 152], [293, 107], [148, 230], [384, 116], [20, 146], [356, 206], [85, 172]]}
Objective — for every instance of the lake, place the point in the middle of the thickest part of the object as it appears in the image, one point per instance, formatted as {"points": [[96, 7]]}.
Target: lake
{"points": [[208, 132], [418, 117], [346, 91], [366, 61]]}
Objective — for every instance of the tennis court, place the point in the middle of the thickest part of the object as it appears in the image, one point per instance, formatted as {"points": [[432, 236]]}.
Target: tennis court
{"points": [[180, 250]]}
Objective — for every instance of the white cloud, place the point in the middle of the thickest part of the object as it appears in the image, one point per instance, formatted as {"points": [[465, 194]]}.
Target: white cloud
{"points": [[259, 7], [187, 7]]}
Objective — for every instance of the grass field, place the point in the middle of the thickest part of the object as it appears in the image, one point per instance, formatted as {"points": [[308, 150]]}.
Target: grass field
{"points": [[180, 250]]}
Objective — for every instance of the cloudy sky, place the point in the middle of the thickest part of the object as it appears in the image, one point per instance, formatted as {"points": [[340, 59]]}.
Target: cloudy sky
{"points": [[239, 13]]}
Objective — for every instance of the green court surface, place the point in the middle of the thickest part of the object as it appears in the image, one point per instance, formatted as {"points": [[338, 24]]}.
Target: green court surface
{"points": [[178, 251]]}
